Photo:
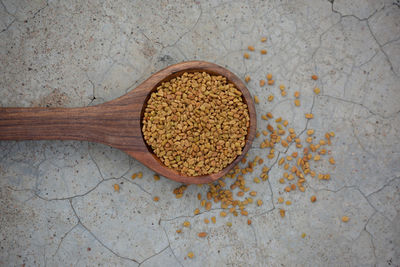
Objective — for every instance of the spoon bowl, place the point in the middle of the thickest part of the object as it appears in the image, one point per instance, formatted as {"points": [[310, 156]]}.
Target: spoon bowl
{"points": [[117, 123]]}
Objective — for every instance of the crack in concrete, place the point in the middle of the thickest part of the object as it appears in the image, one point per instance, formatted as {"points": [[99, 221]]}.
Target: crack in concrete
{"points": [[169, 244], [63, 237], [95, 237], [156, 254], [380, 189], [137, 185], [189, 216]]}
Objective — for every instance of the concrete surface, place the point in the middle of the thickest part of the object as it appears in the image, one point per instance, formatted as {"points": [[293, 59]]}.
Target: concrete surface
{"points": [[57, 202]]}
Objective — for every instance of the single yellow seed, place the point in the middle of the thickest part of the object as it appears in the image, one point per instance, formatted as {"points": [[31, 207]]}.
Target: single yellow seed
{"points": [[253, 193], [332, 161], [271, 82], [134, 176], [281, 161], [269, 115], [246, 55], [282, 87], [208, 205], [280, 199], [314, 77], [251, 48], [317, 157], [222, 214], [259, 202], [264, 117], [206, 221], [262, 82], [283, 93], [282, 213], [196, 211], [296, 94], [247, 79], [244, 213], [256, 100], [313, 199], [202, 234], [190, 255], [263, 51], [263, 39], [282, 181], [179, 231], [317, 90], [156, 199], [297, 102], [140, 175], [269, 76], [270, 98], [345, 219], [199, 196], [310, 132], [156, 177], [213, 220], [288, 202], [116, 187], [332, 134], [186, 224], [309, 115], [256, 180], [248, 222], [244, 159], [303, 235]]}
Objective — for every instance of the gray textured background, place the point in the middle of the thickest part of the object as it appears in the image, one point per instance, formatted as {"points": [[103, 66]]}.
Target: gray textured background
{"points": [[57, 203]]}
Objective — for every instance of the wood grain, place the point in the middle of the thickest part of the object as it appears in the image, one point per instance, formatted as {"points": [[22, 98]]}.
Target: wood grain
{"points": [[117, 123]]}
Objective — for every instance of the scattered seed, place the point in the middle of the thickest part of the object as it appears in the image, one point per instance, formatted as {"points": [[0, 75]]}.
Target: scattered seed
{"points": [[332, 161], [297, 94], [303, 235], [280, 199], [317, 90], [256, 100], [270, 97], [213, 220], [247, 79], [179, 231], [248, 222], [288, 202], [246, 55], [190, 255], [263, 51], [309, 115], [186, 224], [206, 221], [297, 102], [222, 214], [156, 177], [269, 76], [229, 224], [134, 176], [259, 202], [140, 175], [282, 213], [313, 199], [196, 211], [251, 48], [156, 199], [345, 219], [271, 82], [262, 82], [314, 77], [263, 39]]}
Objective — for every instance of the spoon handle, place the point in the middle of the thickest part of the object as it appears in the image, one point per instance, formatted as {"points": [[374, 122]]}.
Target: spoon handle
{"points": [[49, 123]]}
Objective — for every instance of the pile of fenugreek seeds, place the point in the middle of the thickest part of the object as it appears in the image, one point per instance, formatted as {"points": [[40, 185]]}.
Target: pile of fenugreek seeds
{"points": [[233, 192], [196, 123]]}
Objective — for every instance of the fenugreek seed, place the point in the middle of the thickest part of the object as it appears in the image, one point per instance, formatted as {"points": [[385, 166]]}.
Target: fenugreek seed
{"points": [[206, 221], [310, 132], [288, 202], [317, 157], [213, 220], [199, 196], [303, 235], [317, 90], [250, 48], [269, 76], [257, 135], [286, 166], [222, 214], [202, 234], [271, 82], [256, 100], [345, 219], [282, 181], [313, 199], [140, 175], [278, 119], [248, 222], [281, 87], [190, 255], [301, 188], [263, 51], [282, 213], [253, 193], [297, 102], [262, 82], [259, 202], [309, 115], [208, 205], [247, 79], [244, 213], [332, 161], [283, 93], [256, 180], [179, 231], [229, 224], [332, 134], [263, 39], [314, 77], [293, 186], [246, 55], [156, 177], [270, 98], [156, 199], [269, 115], [196, 211], [186, 224], [288, 189], [116, 187], [134, 176], [280, 200], [296, 94], [281, 161], [203, 203]]}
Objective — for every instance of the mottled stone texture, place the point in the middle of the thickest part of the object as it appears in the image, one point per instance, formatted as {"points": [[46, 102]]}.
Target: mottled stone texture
{"points": [[57, 202]]}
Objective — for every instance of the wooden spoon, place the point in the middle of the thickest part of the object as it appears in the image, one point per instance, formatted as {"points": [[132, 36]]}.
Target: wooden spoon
{"points": [[117, 123]]}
